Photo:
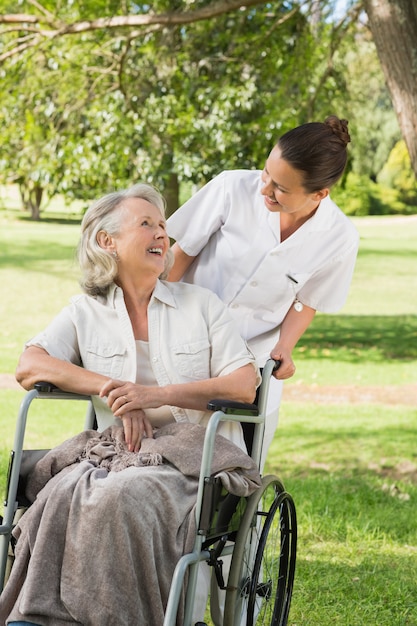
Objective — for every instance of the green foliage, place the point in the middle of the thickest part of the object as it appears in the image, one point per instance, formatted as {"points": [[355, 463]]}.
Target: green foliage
{"points": [[170, 105], [360, 196], [372, 122], [398, 175]]}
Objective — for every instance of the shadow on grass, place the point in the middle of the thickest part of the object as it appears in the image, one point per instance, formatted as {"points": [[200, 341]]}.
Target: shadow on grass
{"points": [[392, 336], [49, 217], [70, 220], [27, 255]]}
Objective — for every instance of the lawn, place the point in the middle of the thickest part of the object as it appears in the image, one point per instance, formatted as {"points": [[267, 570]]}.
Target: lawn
{"points": [[351, 466]]}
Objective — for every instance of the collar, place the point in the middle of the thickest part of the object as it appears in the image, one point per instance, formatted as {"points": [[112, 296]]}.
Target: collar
{"points": [[321, 219], [162, 292]]}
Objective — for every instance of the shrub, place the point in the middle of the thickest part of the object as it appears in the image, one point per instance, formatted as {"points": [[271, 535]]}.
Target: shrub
{"points": [[360, 196], [398, 174]]}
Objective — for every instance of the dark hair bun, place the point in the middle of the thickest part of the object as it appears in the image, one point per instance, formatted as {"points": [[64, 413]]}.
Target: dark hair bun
{"points": [[339, 127]]}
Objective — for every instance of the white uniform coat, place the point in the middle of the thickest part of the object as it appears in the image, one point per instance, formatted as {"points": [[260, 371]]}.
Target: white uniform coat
{"points": [[240, 256]]}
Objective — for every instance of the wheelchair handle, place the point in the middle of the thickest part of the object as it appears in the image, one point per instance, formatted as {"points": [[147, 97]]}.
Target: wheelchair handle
{"points": [[277, 365]]}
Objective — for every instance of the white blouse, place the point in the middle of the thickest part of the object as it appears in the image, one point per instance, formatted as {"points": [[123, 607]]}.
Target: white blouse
{"points": [[145, 376]]}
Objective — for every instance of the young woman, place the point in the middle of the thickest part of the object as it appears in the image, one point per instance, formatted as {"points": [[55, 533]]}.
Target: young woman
{"points": [[272, 244]]}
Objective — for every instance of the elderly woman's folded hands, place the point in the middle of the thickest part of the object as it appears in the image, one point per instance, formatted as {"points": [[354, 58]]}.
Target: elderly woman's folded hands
{"points": [[124, 400]]}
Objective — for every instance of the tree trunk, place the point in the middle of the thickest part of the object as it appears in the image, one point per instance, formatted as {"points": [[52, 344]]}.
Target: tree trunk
{"points": [[35, 202], [394, 29], [31, 196], [171, 193]]}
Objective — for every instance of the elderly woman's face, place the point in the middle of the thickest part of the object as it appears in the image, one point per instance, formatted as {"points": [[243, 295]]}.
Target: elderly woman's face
{"points": [[142, 242]]}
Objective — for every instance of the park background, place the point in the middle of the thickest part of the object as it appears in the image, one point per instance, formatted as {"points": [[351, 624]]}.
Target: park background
{"points": [[85, 111]]}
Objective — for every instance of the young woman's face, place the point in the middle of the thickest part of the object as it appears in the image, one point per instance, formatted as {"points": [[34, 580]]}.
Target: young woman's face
{"points": [[283, 189], [142, 242]]}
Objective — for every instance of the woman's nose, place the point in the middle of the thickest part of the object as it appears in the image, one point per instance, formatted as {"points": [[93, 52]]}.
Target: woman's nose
{"points": [[160, 232], [266, 188]]}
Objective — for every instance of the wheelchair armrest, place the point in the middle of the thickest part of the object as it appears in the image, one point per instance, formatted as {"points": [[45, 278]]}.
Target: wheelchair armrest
{"points": [[229, 407], [49, 391], [232, 408], [44, 387]]}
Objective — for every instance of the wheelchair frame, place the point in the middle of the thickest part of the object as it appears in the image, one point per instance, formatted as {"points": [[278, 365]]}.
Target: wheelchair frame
{"points": [[262, 545]]}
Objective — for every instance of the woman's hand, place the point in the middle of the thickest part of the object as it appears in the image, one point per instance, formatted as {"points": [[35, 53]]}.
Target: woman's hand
{"points": [[135, 423], [123, 397], [287, 367], [136, 426]]}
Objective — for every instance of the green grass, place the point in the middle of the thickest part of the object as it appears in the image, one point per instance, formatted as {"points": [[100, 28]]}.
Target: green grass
{"points": [[351, 468], [39, 273], [352, 471]]}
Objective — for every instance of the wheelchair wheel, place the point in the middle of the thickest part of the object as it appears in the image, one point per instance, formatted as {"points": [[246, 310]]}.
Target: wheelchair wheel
{"points": [[263, 563]]}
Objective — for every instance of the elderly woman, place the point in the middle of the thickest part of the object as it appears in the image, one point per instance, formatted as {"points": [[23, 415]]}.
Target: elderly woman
{"points": [[151, 354]]}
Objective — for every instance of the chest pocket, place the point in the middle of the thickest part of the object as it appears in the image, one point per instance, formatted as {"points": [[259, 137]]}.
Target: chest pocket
{"points": [[105, 358], [192, 360]]}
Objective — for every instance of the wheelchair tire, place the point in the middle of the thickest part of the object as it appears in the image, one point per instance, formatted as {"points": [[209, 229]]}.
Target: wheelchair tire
{"points": [[262, 570]]}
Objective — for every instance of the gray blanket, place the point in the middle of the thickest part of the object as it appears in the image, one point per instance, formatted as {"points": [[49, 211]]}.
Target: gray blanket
{"points": [[101, 541]]}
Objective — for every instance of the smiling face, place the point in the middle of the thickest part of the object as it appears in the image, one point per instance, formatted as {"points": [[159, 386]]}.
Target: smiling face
{"points": [[283, 189], [142, 242]]}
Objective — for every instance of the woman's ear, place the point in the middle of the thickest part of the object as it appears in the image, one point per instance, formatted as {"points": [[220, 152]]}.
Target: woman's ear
{"points": [[320, 195], [105, 241]]}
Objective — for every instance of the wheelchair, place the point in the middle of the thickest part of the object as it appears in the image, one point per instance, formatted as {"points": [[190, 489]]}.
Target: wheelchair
{"points": [[257, 534]]}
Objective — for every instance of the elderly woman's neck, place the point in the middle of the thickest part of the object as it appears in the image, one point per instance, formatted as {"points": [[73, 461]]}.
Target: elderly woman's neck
{"points": [[137, 307], [137, 288], [137, 294]]}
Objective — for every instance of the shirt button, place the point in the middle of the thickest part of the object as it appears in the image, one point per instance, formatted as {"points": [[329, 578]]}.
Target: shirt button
{"points": [[234, 306], [254, 283]]}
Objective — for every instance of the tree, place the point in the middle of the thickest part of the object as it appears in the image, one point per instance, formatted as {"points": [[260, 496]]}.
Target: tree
{"points": [[195, 97], [366, 104], [171, 93], [56, 136], [394, 28]]}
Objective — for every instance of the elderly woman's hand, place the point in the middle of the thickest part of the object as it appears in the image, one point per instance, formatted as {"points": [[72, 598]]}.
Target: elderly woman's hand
{"points": [[123, 397], [136, 426], [135, 423]]}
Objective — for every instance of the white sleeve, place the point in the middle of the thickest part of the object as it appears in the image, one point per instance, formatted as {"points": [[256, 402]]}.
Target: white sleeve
{"points": [[194, 222], [59, 338], [327, 289]]}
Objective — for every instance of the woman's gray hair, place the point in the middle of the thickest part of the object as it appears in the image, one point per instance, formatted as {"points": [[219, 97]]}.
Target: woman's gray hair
{"points": [[98, 266]]}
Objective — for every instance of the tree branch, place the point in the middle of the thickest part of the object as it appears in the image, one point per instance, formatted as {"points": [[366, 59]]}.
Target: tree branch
{"points": [[49, 17], [20, 48], [127, 21]]}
